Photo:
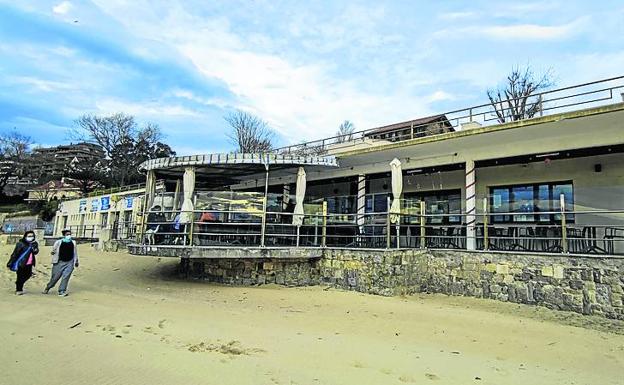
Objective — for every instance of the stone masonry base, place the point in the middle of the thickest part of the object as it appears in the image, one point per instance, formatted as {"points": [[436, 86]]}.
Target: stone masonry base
{"points": [[587, 285]]}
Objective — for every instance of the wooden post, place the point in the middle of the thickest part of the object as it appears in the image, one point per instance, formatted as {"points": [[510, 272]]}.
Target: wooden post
{"points": [[486, 241], [192, 229], [324, 229], [298, 231], [564, 235], [264, 206], [423, 234], [388, 235]]}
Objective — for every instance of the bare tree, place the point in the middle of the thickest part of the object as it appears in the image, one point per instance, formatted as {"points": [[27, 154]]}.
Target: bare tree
{"points": [[14, 151], [345, 132], [515, 100], [249, 132], [107, 131], [125, 144]]}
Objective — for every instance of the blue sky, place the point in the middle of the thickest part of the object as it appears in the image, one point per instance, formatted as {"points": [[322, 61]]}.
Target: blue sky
{"points": [[302, 66]]}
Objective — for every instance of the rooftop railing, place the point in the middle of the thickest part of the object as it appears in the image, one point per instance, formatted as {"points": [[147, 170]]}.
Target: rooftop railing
{"points": [[160, 184], [591, 94]]}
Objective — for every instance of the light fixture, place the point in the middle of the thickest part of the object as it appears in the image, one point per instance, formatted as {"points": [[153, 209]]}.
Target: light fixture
{"points": [[547, 155]]}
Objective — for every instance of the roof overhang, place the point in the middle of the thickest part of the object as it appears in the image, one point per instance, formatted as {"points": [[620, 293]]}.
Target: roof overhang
{"points": [[224, 169]]}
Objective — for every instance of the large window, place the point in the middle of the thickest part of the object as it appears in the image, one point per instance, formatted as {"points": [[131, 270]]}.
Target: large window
{"points": [[527, 201], [377, 203], [444, 203]]}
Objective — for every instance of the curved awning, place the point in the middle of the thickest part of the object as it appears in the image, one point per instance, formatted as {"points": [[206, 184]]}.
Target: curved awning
{"points": [[223, 169]]}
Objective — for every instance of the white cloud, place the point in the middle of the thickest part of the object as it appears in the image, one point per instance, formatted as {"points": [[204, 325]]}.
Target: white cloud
{"points": [[154, 109], [527, 31], [439, 96], [300, 99], [515, 31], [62, 8], [41, 84], [454, 16]]}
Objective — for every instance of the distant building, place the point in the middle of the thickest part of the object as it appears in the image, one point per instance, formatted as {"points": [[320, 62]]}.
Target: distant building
{"points": [[54, 190], [417, 128], [55, 161]]}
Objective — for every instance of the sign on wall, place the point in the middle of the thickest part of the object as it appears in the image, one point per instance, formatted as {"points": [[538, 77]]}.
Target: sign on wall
{"points": [[129, 202], [105, 204], [82, 208], [95, 204]]}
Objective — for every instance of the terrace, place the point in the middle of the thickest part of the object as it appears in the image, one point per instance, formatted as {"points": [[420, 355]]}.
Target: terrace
{"points": [[515, 187]]}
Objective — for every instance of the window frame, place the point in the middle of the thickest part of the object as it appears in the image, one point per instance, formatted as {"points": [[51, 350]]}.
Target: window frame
{"points": [[509, 219]]}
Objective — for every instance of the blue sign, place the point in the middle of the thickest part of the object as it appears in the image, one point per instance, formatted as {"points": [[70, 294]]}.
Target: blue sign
{"points": [[83, 206], [129, 202], [105, 203], [95, 204]]}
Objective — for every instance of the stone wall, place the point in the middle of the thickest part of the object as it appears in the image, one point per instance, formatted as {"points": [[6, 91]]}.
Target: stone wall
{"points": [[587, 285]]}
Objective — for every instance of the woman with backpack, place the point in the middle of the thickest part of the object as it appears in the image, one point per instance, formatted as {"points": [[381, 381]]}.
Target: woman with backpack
{"points": [[23, 260]]}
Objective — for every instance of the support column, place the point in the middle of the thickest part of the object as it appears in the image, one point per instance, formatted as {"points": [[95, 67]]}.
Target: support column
{"points": [[471, 206], [361, 200]]}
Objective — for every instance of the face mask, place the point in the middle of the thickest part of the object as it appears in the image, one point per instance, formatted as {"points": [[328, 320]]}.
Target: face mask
{"points": [[30, 239], [67, 238]]}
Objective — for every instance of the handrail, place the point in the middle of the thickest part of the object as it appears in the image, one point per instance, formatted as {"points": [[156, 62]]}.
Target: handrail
{"points": [[470, 114], [375, 230], [160, 184]]}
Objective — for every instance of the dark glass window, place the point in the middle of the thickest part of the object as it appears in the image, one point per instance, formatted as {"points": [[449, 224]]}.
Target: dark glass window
{"points": [[527, 201], [439, 202]]}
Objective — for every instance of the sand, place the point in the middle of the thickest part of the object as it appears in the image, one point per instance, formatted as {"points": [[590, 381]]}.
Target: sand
{"points": [[134, 322]]}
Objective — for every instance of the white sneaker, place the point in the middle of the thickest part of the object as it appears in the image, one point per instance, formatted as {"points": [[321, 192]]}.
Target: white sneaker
{"points": [[19, 292], [62, 294], [45, 291]]}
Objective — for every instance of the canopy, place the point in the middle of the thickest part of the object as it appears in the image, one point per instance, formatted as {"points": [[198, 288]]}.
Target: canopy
{"points": [[216, 171], [188, 182], [397, 189], [299, 196]]}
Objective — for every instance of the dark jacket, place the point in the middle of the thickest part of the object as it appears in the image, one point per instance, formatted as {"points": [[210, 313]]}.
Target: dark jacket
{"points": [[20, 248]]}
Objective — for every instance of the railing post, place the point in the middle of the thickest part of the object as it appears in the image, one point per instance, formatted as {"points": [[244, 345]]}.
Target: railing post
{"points": [[388, 235], [264, 206], [423, 239], [324, 229], [192, 229], [564, 234], [486, 241], [298, 231]]}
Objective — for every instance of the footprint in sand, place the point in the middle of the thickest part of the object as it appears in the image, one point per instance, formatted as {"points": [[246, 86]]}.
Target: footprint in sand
{"points": [[161, 323], [407, 379], [386, 371], [358, 364], [431, 376], [231, 349]]}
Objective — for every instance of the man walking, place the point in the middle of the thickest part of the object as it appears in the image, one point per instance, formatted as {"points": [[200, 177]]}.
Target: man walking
{"points": [[64, 259]]}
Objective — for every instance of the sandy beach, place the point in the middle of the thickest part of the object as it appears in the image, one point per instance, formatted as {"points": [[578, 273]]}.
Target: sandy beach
{"points": [[130, 320]]}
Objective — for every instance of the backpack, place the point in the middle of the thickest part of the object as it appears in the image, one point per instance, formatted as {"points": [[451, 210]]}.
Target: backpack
{"points": [[15, 265]]}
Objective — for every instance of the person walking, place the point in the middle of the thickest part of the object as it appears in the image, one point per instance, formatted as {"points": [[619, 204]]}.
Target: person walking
{"points": [[22, 260], [64, 259]]}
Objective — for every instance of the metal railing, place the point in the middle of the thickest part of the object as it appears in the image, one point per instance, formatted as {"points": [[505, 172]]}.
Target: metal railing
{"points": [[591, 94], [85, 231], [223, 228], [160, 185]]}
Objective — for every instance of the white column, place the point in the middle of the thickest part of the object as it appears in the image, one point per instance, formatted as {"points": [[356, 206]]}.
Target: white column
{"points": [[361, 199], [471, 205]]}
